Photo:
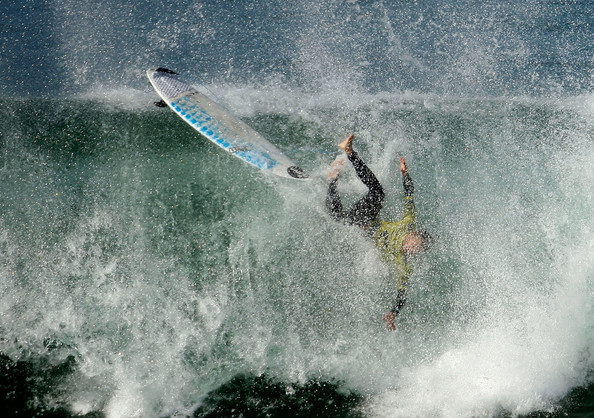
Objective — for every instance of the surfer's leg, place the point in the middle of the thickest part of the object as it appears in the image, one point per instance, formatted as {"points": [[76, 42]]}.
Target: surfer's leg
{"points": [[367, 208], [366, 175], [333, 203]]}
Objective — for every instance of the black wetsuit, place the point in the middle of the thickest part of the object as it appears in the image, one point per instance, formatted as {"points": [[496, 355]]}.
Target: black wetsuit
{"points": [[364, 213]]}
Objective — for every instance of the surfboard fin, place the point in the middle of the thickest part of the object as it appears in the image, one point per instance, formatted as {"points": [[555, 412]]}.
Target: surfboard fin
{"points": [[165, 70], [296, 172]]}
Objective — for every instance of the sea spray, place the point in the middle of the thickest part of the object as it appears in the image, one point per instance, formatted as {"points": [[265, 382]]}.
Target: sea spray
{"points": [[145, 273]]}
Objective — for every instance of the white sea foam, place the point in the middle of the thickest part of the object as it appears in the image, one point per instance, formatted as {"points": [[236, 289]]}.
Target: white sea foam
{"points": [[180, 273]]}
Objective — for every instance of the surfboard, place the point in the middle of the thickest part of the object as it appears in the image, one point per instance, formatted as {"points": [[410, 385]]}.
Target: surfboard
{"points": [[217, 124]]}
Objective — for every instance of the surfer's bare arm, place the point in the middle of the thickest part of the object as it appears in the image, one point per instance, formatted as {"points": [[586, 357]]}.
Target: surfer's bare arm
{"points": [[390, 317], [406, 180]]}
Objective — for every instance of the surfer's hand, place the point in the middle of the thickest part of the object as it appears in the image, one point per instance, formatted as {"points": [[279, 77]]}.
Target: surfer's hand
{"points": [[390, 319], [403, 168]]}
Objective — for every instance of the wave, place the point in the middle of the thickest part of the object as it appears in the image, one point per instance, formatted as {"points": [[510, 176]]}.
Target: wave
{"points": [[152, 268]]}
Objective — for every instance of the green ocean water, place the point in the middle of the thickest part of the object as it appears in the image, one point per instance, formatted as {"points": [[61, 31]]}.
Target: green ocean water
{"points": [[145, 272]]}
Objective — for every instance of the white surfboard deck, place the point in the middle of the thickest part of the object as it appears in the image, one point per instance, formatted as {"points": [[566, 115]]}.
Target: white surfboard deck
{"points": [[218, 125]]}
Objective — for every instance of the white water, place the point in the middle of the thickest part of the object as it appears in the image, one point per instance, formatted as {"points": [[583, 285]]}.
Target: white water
{"points": [[185, 268]]}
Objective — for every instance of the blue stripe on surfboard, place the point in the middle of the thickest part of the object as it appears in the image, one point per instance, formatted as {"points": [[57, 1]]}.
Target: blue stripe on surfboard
{"points": [[208, 127]]}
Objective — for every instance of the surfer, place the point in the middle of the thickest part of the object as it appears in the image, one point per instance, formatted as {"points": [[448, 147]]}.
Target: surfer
{"points": [[396, 240]]}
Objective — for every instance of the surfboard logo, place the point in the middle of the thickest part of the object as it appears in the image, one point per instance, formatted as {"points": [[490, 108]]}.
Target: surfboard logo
{"points": [[233, 150]]}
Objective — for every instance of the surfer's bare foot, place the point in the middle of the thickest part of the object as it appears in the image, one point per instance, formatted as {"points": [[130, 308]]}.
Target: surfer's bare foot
{"points": [[347, 145], [336, 167]]}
